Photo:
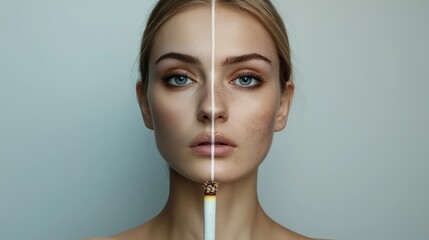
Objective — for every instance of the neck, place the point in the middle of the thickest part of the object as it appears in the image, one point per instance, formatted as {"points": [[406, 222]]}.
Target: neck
{"points": [[238, 211]]}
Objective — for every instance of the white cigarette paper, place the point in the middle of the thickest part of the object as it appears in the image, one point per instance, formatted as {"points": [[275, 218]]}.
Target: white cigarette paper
{"points": [[209, 217]]}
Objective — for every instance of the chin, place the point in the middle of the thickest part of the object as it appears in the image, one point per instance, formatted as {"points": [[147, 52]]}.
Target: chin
{"points": [[231, 175], [224, 173]]}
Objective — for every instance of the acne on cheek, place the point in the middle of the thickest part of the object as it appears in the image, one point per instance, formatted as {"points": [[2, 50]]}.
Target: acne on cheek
{"points": [[261, 126], [259, 133]]}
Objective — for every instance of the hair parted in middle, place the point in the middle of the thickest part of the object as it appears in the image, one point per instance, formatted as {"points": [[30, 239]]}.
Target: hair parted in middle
{"points": [[263, 10]]}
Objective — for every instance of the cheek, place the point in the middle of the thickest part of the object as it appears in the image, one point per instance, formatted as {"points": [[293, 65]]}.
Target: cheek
{"points": [[261, 126], [166, 117], [171, 120], [262, 116]]}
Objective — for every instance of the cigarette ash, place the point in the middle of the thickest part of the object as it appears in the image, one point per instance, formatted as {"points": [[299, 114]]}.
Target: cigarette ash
{"points": [[210, 188]]}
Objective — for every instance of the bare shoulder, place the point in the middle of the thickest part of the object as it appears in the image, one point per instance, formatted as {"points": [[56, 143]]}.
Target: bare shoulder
{"points": [[131, 234], [289, 234], [143, 231], [280, 232], [140, 232]]}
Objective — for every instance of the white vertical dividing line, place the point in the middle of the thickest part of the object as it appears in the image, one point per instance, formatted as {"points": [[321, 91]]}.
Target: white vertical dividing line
{"points": [[212, 76], [210, 200]]}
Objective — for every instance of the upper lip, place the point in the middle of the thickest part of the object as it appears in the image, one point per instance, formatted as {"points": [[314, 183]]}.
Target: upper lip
{"points": [[205, 138]]}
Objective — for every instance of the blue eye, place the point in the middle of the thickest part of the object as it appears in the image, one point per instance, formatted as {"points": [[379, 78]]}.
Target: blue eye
{"points": [[248, 80], [177, 80]]}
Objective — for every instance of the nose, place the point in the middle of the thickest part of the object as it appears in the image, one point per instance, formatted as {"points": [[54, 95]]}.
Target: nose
{"points": [[207, 111]]}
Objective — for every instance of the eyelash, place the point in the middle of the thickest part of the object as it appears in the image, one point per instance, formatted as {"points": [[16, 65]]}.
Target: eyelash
{"points": [[260, 80], [165, 78], [253, 75]]}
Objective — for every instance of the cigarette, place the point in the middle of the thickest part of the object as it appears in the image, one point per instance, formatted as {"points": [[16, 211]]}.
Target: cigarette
{"points": [[210, 189]]}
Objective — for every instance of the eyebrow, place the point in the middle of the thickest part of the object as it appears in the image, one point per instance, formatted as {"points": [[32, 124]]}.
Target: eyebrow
{"points": [[179, 56], [228, 61], [245, 58]]}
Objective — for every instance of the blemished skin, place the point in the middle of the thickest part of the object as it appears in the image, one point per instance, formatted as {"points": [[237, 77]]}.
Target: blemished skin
{"points": [[247, 116], [249, 108]]}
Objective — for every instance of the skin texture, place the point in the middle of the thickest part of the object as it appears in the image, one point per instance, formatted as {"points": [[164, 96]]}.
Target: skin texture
{"points": [[246, 116]]}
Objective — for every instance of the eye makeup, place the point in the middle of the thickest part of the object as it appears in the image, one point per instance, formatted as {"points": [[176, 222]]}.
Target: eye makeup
{"points": [[249, 80], [176, 79]]}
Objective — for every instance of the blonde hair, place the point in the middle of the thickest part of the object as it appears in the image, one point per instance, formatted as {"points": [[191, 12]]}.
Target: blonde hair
{"points": [[263, 10]]}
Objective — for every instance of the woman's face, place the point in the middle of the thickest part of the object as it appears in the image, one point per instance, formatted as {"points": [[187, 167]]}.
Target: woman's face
{"points": [[249, 105]]}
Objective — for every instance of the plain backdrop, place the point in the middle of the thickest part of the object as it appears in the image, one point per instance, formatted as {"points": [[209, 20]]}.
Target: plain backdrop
{"points": [[76, 160]]}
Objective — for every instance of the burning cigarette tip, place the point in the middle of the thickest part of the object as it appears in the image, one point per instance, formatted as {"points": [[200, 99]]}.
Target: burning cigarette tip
{"points": [[210, 188]]}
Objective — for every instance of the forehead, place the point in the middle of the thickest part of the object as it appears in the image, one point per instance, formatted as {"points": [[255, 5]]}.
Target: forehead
{"points": [[190, 31]]}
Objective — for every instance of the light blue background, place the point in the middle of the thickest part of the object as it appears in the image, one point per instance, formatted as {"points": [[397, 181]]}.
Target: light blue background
{"points": [[76, 160]]}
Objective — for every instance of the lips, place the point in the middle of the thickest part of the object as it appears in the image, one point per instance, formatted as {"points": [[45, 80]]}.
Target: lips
{"points": [[222, 146]]}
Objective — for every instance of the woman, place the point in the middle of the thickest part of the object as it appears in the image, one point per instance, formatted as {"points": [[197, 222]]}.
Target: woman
{"points": [[253, 93]]}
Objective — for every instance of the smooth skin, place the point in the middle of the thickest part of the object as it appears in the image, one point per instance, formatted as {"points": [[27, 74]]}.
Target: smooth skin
{"points": [[248, 110]]}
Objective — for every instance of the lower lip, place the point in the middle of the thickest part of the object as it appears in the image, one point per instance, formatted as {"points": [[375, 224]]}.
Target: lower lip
{"points": [[219, 150]]}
